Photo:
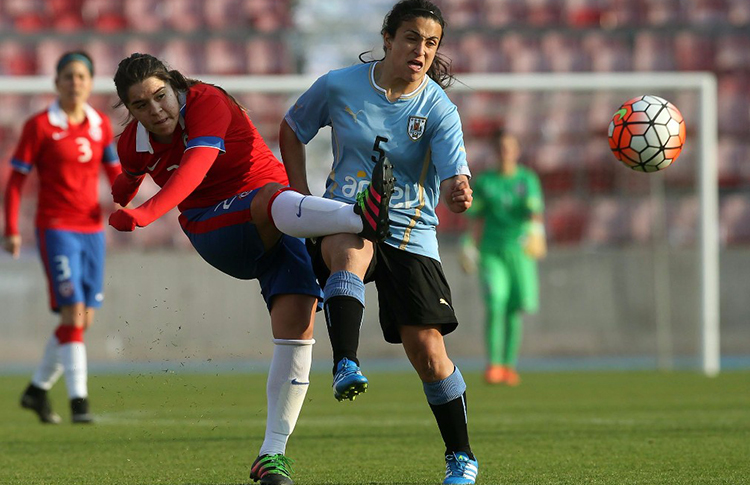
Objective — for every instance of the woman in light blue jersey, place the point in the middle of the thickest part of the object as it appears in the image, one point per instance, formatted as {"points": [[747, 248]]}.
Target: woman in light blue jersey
{"points": [[391, 118]]}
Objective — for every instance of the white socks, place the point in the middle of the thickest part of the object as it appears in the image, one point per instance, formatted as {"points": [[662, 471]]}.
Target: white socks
{"points": [[73, 356], [309, 216], [288, 380], [50, 369]]}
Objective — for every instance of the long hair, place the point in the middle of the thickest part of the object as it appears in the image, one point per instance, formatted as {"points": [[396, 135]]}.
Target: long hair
{"points": [[139, 67], [405, 10]]}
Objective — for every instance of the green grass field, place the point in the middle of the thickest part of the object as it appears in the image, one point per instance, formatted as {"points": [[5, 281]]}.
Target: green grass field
{"points": [[556, 428]]}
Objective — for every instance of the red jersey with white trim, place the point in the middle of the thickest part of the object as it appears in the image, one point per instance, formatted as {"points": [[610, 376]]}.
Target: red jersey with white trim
{"points": [[68, 159], [208, 118]]}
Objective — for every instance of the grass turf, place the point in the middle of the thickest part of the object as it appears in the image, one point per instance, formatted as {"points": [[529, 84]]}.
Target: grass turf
{"points": [[556, 428]]}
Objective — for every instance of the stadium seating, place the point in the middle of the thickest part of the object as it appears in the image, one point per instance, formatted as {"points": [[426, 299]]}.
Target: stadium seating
{"points": [[228, 37]]}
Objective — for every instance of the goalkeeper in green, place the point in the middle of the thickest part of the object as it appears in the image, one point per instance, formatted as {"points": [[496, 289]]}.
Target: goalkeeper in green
{"points": [[508, 212]]}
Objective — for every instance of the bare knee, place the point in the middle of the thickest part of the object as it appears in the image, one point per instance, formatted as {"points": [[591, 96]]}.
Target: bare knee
{"points": [[427, 365], [75, 315], [426, 351], [347, 252], [293, 316]]}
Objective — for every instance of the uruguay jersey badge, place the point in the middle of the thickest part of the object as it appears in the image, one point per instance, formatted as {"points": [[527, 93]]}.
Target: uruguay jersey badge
{"points": [[416, 127]]}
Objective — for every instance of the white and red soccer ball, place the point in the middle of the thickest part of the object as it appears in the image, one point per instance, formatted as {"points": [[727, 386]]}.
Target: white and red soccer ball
{"points": [[647, 133]]}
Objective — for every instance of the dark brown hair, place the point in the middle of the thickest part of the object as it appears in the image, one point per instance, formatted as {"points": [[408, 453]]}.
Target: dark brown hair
{"points": [[405, 10], [139, 67], [80, 56]]}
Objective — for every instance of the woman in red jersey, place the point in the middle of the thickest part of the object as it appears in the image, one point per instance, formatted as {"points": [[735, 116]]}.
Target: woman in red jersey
{"points": [[68, 143], [199, 145]]}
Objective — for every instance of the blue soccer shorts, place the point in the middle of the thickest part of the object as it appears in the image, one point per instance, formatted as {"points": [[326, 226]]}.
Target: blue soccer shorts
{"points": [[74, 265], [226, 238]]}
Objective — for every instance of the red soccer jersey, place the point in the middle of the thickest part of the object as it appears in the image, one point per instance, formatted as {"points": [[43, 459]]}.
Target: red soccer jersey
{"points": [[208, 118], [68, 159]]}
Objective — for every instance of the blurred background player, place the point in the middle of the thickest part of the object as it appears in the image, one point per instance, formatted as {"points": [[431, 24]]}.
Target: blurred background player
{"points": [[68, 143], [392, 118], [508, 213], [179, 127]]}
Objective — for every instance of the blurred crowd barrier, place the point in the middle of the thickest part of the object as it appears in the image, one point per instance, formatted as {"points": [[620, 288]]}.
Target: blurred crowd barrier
{"points": [[170, 307]]}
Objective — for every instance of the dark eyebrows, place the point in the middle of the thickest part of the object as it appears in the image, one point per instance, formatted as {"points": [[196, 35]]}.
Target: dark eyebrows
{"points": [[434, 37], [143, 100]]}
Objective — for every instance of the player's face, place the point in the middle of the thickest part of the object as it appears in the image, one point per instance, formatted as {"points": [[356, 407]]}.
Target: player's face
{"points": [[509, 150], [413, 48], [154, 103], [73, 84]]}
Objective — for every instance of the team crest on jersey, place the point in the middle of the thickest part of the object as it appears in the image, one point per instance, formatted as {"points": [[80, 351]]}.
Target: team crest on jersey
{"points": [[66, 289], [416, 127]]}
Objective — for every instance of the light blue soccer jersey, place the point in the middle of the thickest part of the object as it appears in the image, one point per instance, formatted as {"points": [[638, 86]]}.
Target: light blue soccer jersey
{"points": [[420, 133]]}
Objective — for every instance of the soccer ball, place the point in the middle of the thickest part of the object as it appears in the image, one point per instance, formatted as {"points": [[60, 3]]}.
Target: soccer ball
{"points": [[647, 133]]}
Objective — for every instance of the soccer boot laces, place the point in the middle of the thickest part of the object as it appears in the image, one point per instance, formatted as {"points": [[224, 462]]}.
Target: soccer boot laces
{"points": [[348, 381], [460, 469], [372, 203], [35, 399], [272, 470]]}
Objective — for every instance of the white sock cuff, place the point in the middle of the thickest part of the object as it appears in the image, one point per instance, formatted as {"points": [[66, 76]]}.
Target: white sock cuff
{"points": [[299, 342]]}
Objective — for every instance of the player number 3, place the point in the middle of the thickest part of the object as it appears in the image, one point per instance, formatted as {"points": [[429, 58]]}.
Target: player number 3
{"points": [[84, 147]]}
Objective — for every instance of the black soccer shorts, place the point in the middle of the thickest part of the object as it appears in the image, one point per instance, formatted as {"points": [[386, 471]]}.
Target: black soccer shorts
{"points": [[412, 289]]}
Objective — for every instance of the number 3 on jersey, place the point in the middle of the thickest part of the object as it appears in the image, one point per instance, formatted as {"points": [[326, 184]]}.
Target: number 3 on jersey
{"points": [[84, 147]]}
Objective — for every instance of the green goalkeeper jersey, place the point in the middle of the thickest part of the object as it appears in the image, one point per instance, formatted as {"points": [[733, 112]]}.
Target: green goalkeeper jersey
{"points": [[506, 204]]}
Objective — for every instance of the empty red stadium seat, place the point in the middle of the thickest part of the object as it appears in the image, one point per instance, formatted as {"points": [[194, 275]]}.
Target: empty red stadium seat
{"points": [[566, 219]]}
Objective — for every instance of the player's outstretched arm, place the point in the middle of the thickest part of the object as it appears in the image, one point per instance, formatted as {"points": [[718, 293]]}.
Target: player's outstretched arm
{"points": [[194, 165], [293, 156], [456, 193], [125, 188]]}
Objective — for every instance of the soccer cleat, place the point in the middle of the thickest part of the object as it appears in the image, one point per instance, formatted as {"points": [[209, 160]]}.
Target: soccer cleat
{"points": [[272, 470], [494, 374], [511, 377], [79, 407], [348, 380], [372, 203], [460, 469], [35, 399]]}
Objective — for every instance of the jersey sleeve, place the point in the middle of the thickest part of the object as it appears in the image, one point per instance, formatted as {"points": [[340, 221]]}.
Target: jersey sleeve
{"points": [[207, 118], [310, 113], [535, 199], [28, 148], [13, 202], [447, 146], [109, 156]]}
